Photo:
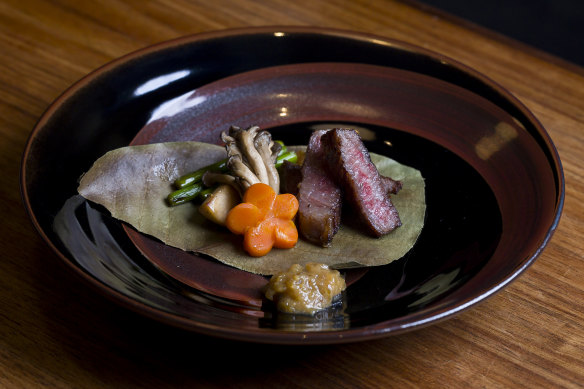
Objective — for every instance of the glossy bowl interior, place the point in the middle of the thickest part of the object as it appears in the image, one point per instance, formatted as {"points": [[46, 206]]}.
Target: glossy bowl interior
{"points": [[494, 180]]}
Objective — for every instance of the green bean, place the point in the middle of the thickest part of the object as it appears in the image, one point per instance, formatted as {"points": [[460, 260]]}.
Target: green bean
{"points": [[205, 193], [185, 194], [196, 176], [283, 149], [289, 156]]}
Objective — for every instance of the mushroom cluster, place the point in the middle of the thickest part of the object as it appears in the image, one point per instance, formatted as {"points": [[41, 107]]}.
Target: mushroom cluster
{"points": [[251, 159]]}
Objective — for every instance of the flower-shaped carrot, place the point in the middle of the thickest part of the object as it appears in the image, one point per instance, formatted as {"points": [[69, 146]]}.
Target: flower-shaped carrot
{"points": [[264, 219]]}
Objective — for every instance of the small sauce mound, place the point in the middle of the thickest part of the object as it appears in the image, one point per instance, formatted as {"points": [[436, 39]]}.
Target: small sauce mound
{"points": [[305, 289]]}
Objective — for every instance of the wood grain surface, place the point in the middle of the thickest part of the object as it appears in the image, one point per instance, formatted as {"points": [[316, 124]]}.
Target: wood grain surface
{"points": [[56, 332]]}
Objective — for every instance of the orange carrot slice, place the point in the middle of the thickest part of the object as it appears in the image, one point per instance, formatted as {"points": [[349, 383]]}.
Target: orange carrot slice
{"points": [[265, 220], [259, 240], [243, 216], [285, 233], [260, 195], [285, 206]]}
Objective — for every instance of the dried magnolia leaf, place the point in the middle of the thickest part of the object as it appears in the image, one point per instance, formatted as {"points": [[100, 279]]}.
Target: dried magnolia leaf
{"points": [[133, 182]]}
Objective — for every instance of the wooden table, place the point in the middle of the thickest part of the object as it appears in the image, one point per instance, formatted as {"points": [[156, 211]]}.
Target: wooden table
{"points": [[57, 332]]}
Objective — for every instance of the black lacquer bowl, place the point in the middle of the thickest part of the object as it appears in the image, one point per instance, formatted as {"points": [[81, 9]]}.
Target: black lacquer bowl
{"points": [[494, 182]]}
